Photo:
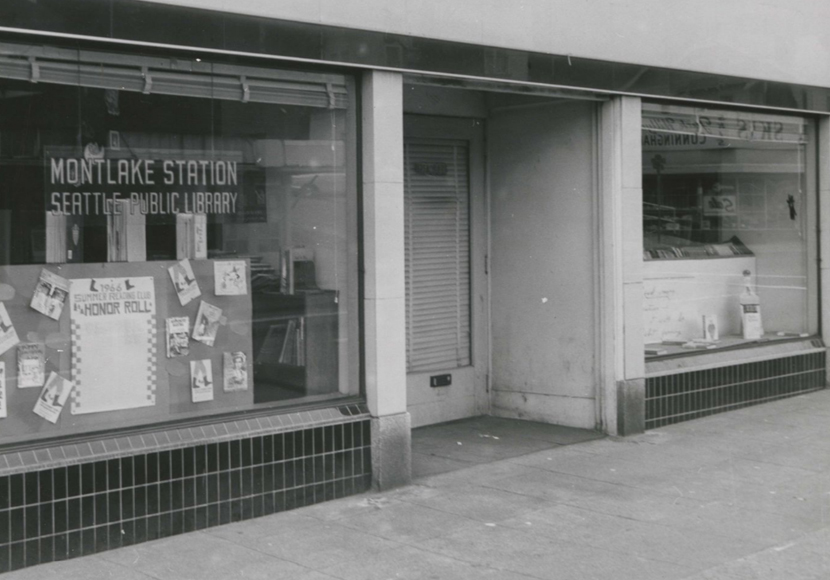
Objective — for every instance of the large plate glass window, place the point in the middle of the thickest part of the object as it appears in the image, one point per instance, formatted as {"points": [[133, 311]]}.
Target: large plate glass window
{"points": [[177, 239], [729, 228]]}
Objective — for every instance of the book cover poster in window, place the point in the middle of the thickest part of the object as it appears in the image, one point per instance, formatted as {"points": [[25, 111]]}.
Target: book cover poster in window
{"points": [[207, 323], [235, 371], [229, 278], [201, 381], [3, 406], [8, 335], [178, 336], [31, 365], [53, 397], [184, 281], [50, 294]]}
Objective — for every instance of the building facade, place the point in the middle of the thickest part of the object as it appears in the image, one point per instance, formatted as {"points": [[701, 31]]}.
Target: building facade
{"points": [[245, 249]]}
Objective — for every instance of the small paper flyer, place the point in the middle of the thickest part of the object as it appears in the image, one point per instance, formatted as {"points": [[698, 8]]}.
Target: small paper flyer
{"points": [[184, 281], [3, 390], [207, 323], [236, 371], [710, 328], [229, 278], [50, 294], [178, 336], [53, 397], [8, 335], [201, 381], [31, 365]]}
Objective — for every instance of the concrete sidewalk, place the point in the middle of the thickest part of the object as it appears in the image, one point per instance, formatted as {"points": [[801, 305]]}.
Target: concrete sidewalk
{"points": [[742, 495]]}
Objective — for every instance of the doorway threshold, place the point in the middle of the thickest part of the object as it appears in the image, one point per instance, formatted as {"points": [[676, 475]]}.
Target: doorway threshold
{"points": [[464, 443]]}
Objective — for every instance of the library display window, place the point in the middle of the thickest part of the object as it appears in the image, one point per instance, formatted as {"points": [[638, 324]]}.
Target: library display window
{"points": [[729, 228], [178, 239]]}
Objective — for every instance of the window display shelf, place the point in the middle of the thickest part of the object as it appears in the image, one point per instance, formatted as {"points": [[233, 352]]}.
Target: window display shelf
{"points": [[678, 293], [661, 351]]}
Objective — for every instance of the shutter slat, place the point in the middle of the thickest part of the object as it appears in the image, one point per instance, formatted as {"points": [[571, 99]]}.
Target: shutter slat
{"points": [[437, 236]]}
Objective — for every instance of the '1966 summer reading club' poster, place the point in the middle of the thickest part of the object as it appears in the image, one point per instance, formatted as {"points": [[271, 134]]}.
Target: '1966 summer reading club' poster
{"points": [[113, 324]]}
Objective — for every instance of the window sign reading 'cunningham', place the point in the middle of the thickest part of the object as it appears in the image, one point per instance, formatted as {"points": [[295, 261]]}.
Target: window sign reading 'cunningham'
{"points": [[676, 128], [89, 187]]}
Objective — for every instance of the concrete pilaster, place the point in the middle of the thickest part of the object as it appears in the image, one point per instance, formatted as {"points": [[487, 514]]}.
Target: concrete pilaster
{"points": [[384, 291], [824, 224], [621, 278], [631, 417], [391, 451]]}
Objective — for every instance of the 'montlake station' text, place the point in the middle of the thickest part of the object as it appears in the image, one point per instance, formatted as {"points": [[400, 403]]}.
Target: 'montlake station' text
{"points": [[217, 178]]}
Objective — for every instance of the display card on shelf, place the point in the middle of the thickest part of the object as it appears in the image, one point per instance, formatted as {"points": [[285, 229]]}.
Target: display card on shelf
{"points": [[31, 365], [229, 278], [710, 328], [207, 323], [201, 381], [8, 335], [53, 397], [3, 390], [750, 303], [236, 371], [178, 336], [50, 294], [751, 324], [187, 288]]}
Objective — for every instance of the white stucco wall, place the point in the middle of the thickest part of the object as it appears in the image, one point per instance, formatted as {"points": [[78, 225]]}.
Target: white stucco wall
{"points": [[542, 274], [781, 40]]}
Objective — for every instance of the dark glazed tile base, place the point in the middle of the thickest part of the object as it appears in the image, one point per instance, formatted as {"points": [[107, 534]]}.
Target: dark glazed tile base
{"points": [[61, 513], [690, 395]]}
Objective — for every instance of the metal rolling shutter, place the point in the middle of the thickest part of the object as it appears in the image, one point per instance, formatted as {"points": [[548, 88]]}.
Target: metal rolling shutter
{"points": [[437, 230], [170, 76]]}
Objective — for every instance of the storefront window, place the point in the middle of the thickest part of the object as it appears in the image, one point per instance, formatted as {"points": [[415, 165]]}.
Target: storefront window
{"points": [[729, 228], [177, 239]]}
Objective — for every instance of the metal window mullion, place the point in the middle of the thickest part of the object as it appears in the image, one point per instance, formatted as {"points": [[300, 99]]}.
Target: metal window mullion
{"points": [[458, 355], [409, 258]]}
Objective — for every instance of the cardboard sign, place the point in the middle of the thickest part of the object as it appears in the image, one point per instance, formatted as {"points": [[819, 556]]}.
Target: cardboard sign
{"points": [[113, 331], [720, 205]]}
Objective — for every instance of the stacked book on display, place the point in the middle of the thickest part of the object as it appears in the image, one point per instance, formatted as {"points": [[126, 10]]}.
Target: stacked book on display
{"points": [[732, 247]]}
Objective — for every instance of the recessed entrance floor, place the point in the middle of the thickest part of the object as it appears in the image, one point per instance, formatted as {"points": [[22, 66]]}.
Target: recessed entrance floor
{"points": [[467, 442]]}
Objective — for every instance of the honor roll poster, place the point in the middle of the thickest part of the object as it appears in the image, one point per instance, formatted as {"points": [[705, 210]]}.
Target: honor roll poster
{"points": [[113, 327]]}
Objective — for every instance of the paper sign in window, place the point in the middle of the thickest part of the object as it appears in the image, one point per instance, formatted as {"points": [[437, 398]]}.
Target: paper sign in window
{"points": [[114, 352]]}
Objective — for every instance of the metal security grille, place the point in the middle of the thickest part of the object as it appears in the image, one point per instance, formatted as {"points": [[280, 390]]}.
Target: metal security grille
{"points": [[690, 395], [437, 244]]}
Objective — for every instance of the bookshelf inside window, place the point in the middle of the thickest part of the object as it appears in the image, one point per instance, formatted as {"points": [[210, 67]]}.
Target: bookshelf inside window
{"points": [[295, 344]]}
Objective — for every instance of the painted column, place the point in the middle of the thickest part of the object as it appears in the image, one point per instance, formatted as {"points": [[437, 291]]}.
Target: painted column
{"points": [[824, 223], [622, 375], [384, 290]]}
